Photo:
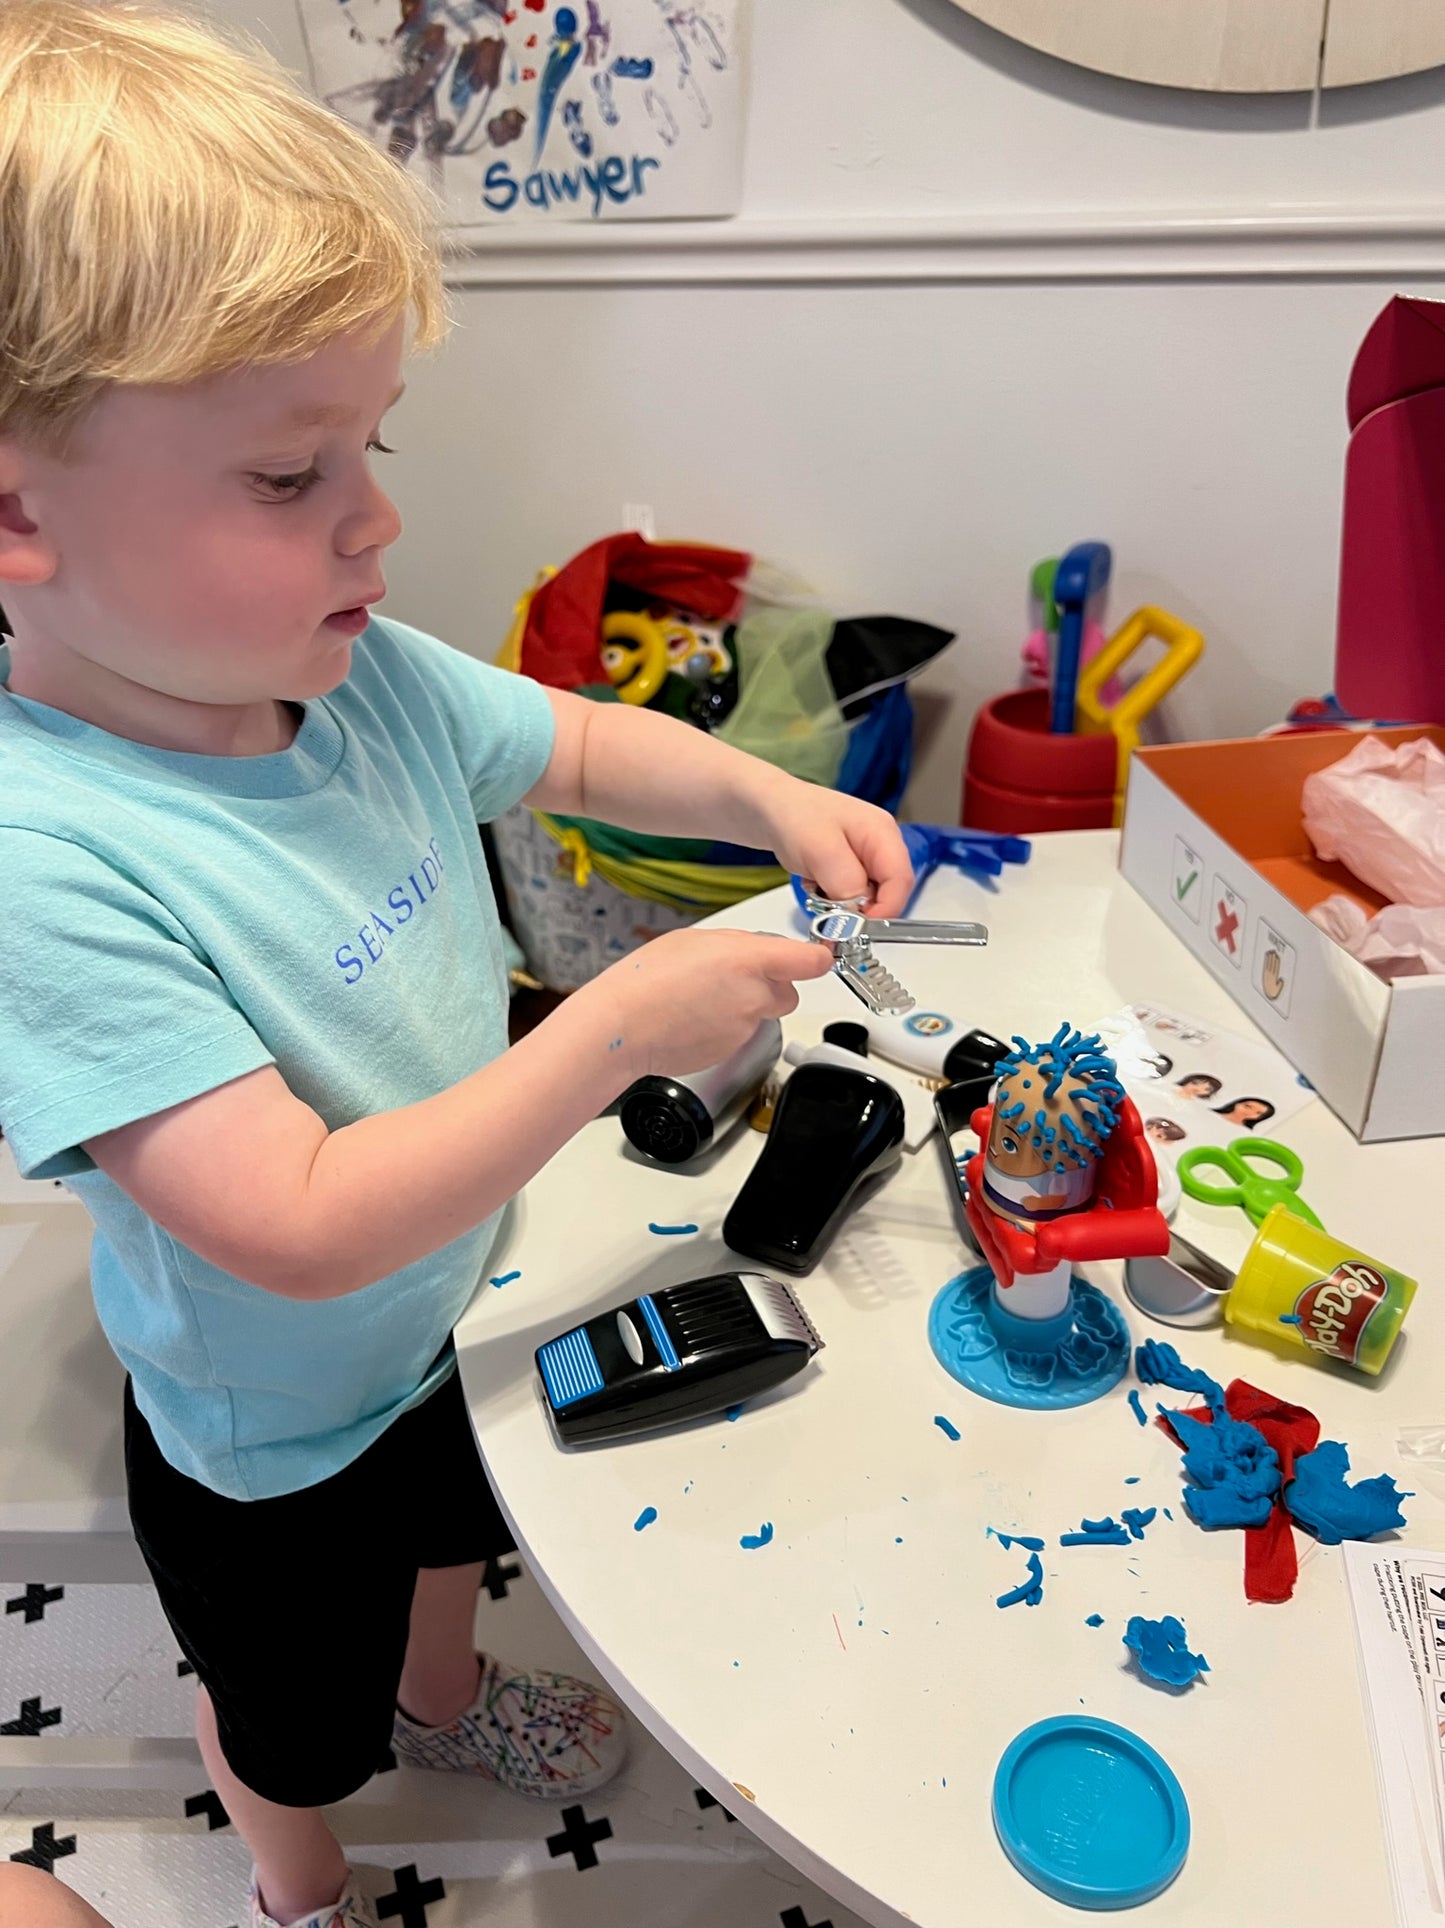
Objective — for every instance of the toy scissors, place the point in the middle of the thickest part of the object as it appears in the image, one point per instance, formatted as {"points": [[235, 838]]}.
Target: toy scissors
{"points": [[1253, 1191]]}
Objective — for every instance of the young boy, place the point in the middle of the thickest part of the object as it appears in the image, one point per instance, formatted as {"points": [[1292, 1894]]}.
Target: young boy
{"points": [[253, 1004]]}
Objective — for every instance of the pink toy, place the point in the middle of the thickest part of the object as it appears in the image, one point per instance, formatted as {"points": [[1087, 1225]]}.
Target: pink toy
{"points": [[1389, 660], [1036, 660]]}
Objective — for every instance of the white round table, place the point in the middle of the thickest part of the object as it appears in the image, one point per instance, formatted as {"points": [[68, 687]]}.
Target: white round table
{"points": [[849, 1688]]}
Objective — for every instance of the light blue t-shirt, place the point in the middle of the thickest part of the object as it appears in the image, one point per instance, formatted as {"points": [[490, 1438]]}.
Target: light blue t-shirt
{"points": [[172, 922]]}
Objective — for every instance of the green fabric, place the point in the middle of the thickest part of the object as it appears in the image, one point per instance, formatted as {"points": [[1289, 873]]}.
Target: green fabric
{"points": [[786, 711]]}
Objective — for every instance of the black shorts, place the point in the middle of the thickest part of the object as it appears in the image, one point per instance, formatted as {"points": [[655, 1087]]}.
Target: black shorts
{"points": [[294, 1611]]}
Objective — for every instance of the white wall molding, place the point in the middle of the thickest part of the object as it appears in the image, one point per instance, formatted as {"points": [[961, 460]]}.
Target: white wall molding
{"points": [[1086, 246]]}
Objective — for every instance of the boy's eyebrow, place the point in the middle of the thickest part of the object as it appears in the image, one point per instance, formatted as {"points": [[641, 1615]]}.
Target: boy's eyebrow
{"points": [[327, 414]]}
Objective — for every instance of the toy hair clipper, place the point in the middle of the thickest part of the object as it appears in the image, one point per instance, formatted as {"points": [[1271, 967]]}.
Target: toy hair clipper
{"points": [[674, 1355], [833, 1128]]}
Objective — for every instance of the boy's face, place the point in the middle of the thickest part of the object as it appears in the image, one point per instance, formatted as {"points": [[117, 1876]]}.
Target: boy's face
{"points": [[217, 541]]}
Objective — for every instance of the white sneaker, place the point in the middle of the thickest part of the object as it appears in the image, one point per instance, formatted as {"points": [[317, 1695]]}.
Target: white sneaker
{"points": [[550, 1736], [351, 1911]]}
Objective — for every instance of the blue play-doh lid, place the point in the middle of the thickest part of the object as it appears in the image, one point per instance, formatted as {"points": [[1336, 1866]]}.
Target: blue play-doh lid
{"points": [[1090, 1813]]}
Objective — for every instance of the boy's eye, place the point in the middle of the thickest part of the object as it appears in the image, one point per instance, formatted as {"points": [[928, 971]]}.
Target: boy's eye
{"points": [[289, 487]]}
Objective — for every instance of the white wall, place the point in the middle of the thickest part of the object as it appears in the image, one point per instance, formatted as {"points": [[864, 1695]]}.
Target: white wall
{"points": [[979, 305]]}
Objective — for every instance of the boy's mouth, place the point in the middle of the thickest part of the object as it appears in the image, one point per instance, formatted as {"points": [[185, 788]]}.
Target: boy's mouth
{"points": [[350, 622], [353, 620]]}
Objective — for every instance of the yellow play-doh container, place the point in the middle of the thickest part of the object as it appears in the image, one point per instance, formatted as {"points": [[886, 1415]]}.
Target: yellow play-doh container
{"points": [[1300, 1285]]}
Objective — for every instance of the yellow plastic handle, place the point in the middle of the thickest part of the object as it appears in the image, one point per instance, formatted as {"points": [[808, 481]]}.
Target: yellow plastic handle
{"points": [[510, 654], [636, 673], [1183, 647]]}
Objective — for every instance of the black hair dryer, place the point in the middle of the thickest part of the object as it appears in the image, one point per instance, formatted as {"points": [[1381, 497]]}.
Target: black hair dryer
{"points": [[833, 1129]]}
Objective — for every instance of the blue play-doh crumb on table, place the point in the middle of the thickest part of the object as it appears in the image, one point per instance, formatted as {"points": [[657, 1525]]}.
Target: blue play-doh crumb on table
{"points": [[1136, 1520], [734, 1412], [1095, 1620], [1162, 1649], [1029, 1592], [763, 1537], [1097, 1533], [504, 1278], [644, 1518], [946, 1426], [1029, 1541], [1138, 1404], [670, 1231]]}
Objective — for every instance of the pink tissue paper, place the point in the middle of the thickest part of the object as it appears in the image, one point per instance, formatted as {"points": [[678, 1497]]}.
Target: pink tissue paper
{"points": [[1399, 942], [1380, 811]]}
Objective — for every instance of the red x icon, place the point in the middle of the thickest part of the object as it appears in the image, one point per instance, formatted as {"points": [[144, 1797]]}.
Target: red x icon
{"points": [[1226, 927]]}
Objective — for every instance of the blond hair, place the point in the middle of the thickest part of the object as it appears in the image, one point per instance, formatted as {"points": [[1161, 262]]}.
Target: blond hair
{"points": [[172, 206]]}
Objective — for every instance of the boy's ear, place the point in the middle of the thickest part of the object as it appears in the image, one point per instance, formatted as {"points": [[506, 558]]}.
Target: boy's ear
{"points": [[26, 557]]}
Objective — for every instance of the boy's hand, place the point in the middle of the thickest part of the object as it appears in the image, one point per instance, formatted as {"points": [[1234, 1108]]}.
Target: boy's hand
{"points": [[843, 849], [691, 998]]}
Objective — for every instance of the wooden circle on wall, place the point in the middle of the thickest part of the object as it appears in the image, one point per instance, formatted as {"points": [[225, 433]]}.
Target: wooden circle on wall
{"points": [[1230, 46]]}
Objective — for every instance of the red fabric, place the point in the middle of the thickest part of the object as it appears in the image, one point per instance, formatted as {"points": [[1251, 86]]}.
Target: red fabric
{"points": [[562, 641], [1271, 1565], [1123, 1222]]}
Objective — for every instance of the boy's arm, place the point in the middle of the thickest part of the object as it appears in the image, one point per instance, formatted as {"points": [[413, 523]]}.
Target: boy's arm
{"points": [[249, 1176], [632, 767], [252, 1179]]}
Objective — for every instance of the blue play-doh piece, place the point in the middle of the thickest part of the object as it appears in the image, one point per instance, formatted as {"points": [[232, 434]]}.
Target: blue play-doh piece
{"points": [[1162, 1650], [1158, 1364], [1322, 1499], [1030, 1591], [1030, 1542], [1096, 1533], [1235, 1469], [1090, 1814]]}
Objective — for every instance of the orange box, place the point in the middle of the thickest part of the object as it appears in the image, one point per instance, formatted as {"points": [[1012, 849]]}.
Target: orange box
{"points": [[1213, 839]]}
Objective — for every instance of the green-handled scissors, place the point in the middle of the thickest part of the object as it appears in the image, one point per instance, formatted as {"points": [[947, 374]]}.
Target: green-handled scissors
{"points": [[1251, 1190]]}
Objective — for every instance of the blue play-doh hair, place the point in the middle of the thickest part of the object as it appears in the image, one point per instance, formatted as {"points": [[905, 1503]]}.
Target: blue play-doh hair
{"points": [[1073, 1059]]}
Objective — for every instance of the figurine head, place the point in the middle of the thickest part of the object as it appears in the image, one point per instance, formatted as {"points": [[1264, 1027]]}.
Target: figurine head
{"points": [[1054, 1108]]}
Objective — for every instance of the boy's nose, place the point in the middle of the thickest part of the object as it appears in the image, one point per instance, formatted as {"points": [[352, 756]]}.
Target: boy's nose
{"points": [[374, 524]]}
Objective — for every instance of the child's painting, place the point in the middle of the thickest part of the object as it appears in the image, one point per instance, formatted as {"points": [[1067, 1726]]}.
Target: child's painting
{"points": [[528, 110]]}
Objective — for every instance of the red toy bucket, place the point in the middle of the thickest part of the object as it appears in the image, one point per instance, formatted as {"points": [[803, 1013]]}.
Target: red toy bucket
{"points": [[1021, 778]]}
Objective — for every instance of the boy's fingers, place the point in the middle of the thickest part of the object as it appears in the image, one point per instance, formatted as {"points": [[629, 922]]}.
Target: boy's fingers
{"points": [[890, 871], [786, 959], [842, 876]]}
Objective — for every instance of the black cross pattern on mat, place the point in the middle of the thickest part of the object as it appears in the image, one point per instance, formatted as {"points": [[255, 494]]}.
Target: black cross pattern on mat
{"points": [[498, 1575], [577, 1837], [44, 1850], [795, 1918], [706, 1800], [411, 1899], [208, 1804], [33, 1602], [32, 1719]]}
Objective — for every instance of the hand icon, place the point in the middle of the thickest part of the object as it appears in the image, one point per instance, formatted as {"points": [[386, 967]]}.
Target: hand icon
{"points": [[1272, 977]]}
